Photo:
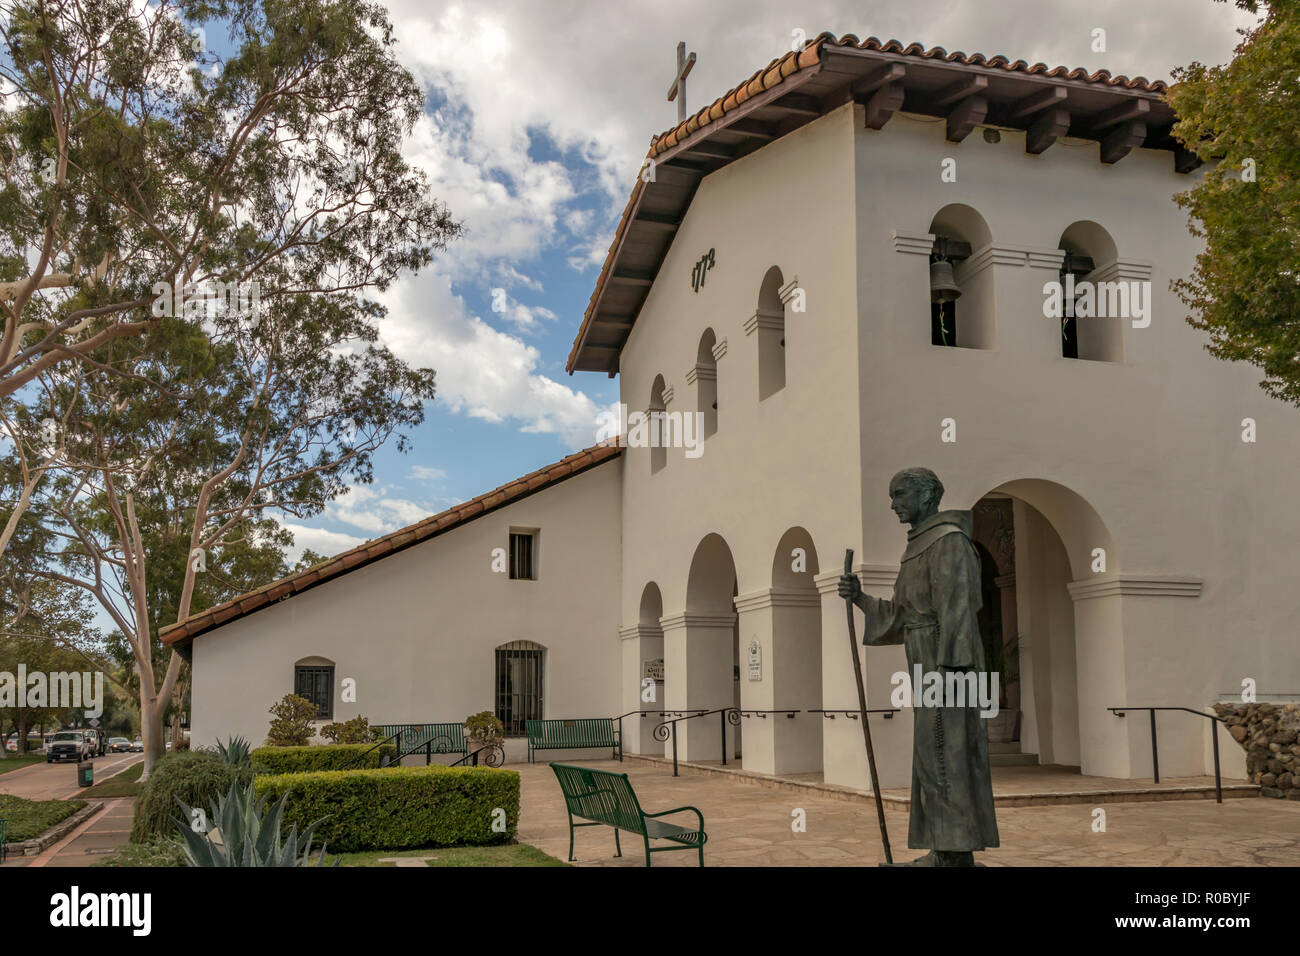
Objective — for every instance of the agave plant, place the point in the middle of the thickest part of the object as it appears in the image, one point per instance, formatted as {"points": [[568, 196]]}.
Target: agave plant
{"points": [[245, 833], [236, 752]]}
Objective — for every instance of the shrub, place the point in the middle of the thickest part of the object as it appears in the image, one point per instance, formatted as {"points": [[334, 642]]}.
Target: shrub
{"points": [[400, 807], [485, 726], [292, 724], [247, 833], [271, 760], [354, 731], [235, 752], [194, 776]]}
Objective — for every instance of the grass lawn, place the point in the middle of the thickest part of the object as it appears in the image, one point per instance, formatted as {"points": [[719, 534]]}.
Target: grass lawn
{"points": [[31, 818], [14, 762], [514, 854], [124, 784]]}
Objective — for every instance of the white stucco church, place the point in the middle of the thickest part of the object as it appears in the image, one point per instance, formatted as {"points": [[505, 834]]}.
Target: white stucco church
{"points": [[841, 265]]}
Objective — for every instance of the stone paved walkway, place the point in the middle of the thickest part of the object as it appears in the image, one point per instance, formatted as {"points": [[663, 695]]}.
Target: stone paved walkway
{"points": [[750, 825]]}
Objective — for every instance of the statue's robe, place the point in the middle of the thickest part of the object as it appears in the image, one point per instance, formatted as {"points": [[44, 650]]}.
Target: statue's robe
{"points": [[933, 615]]}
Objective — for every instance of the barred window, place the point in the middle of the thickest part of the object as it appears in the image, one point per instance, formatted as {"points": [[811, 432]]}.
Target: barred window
{"points": [[316, 684], [518, 685], [521, 556]]}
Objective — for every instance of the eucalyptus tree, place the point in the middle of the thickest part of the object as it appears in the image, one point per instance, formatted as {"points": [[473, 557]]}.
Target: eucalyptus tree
{"points": [[156, 156]]}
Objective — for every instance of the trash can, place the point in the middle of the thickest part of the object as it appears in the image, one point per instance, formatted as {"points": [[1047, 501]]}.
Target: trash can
{"points": [[85, 774]]}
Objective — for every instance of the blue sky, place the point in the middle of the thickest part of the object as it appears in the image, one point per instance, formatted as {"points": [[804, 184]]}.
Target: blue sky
{"points": [[538, 117]]}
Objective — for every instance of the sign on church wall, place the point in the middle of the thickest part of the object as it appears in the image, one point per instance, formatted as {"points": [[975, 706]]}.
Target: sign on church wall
{"points": [[653, 670], [755, 660]]}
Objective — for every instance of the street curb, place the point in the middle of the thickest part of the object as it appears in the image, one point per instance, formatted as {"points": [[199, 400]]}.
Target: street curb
{"points": [[54, 834]]}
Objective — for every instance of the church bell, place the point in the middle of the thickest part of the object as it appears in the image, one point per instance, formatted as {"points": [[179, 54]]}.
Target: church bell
{"points": [[943, 287]]}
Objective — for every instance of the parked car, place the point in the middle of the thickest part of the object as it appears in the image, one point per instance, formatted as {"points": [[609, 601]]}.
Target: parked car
{"points": [[11, 743], [119, 745], [68, 745], [98, 741], [137, 746]]}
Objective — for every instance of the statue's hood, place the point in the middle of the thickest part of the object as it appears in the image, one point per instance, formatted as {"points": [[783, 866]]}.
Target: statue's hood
{"points": [[935, 527], [964, 520]]}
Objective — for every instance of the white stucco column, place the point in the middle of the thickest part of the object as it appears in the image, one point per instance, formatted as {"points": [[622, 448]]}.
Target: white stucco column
{"points": [[844, 754], [698, 675], [1153, 608], [785, 624], [640, 643]]}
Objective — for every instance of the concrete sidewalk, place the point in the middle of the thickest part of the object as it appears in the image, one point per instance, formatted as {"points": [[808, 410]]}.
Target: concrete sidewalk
{"points": [[751, 825]]}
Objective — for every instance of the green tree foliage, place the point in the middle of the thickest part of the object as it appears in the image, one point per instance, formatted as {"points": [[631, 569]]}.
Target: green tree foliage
{"points": [[291, 726], [160, 419], [1241, 120]]}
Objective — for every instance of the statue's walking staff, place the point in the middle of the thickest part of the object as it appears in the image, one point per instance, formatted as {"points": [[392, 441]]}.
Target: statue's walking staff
{"points": [[862, 704]]}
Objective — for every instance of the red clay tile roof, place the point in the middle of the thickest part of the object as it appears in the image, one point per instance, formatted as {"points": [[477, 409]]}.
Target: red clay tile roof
{"points": [[432, 526], [811, 58], [777, 70]]}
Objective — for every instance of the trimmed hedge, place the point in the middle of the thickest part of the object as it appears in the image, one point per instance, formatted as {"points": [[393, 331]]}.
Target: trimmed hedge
{"points": [[273, 760], [196, 776], [399, 808]]}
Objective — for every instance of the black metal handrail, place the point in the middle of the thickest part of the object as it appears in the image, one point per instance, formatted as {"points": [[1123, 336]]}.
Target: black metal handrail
{"points": [[359, 757], [496, 756], [619, 718], [1155, 758], [669, 727], [853, 713], [751, 712]]}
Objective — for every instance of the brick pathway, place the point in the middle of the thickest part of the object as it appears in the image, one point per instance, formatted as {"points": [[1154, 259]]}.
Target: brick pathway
{"points": [[750, 825]]}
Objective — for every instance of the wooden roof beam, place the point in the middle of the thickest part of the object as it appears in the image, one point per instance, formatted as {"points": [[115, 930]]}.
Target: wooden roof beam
{"points": [[1123, 113], [963, 88], [969, 113], [1035, 103], [653, 221], [1123, 140], [882, 76], [1046, 130], [883, 104]]}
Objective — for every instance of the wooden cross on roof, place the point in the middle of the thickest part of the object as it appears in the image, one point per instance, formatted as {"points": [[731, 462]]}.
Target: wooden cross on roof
{"points": [[678, 90]]}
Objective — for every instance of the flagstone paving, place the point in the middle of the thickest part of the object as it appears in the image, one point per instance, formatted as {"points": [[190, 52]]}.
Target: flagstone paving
{"points": [[750, 825]]}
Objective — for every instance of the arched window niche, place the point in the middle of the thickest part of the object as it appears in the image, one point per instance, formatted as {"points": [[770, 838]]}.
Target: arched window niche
{"points": [[961, 279], [655, 413], [1090, 264], [704, 376], [768, 324]]}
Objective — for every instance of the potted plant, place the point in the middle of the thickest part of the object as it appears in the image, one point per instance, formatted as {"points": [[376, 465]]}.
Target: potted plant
{"points": [[483, 730]]}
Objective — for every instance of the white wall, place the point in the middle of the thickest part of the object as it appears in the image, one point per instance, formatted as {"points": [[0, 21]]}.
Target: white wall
{"points": [[418, 629]]}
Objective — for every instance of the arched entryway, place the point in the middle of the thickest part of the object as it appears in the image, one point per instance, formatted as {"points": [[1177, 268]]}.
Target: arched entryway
{"points": [[701, 652], [781, 662], [643, 673], [1056, 641]]}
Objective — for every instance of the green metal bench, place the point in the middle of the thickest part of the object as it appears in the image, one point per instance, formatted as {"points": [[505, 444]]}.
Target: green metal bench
{"points": [[434, 738], [575, 734], [607, 798]]}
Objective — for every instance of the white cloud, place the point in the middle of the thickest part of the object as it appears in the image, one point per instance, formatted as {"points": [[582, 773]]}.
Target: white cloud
{"points": [[328, 543], [374, 510], [425, 473], [482, 372]]}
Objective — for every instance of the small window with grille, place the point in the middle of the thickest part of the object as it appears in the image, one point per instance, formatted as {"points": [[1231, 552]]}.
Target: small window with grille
{"points": [[523, 556], [316, 684]]}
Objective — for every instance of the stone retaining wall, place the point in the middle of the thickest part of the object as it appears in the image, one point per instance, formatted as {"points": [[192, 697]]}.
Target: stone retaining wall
{"points": [[1270, 735]]}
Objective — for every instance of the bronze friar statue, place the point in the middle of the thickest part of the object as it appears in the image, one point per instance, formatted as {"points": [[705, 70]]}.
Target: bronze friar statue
{"points": [[933, 615]]}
